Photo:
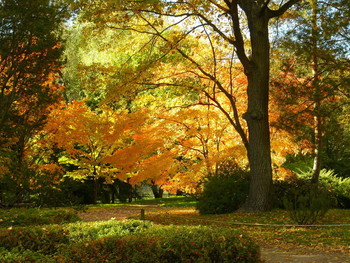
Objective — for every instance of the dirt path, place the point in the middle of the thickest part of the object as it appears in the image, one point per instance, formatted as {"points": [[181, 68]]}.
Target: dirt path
{"points": [[269, 253], [276, 255]]}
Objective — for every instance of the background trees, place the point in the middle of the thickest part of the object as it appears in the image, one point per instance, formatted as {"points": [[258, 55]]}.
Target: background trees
{"points": [[29, 61], [169, 90], [228, 27], [313, 86]]}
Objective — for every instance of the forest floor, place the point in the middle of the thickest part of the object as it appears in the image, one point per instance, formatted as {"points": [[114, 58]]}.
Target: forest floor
{"points": [[271, 251]]}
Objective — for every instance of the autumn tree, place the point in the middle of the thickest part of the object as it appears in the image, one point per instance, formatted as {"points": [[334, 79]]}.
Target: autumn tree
{"points": [[239, 26], [29, 61], [105, 145], [315, 82]]}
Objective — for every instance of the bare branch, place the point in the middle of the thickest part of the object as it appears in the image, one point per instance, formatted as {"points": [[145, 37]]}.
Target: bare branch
{"points": [[239, 41], [282, 9], [265, 5], [219, 6]]}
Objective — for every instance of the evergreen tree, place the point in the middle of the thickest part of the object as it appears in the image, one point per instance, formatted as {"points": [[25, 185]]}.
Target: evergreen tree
{"points": [[316, 80]]}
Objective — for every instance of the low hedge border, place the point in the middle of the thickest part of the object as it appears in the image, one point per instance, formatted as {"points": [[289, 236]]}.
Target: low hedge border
{"points": [[167, 244], [131, 241]]}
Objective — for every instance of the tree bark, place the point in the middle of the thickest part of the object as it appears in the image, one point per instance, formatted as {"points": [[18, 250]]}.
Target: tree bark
{"points": [[95, 187], [157, 191], [259, 198], [316, 169]]}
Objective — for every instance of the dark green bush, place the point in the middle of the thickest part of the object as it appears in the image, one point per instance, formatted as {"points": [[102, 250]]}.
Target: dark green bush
{"points": [[224, 192], [36, 239], [281, 189], [339, 186], [167, 244], [45, 240], [308, 203], [35, 216]]}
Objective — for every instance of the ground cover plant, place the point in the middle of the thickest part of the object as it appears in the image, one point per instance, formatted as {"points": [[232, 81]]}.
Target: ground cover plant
{"points": [[167, 244], [36, 216], [124, 241]]}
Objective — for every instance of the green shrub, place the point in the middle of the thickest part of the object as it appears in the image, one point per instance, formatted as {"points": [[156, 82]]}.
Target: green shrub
{"points": [[35, 216], [283, 187], [339, 186], [224, 192], [20, 256], [308, 203], [36, 239], [167, 244], [96, 230]]}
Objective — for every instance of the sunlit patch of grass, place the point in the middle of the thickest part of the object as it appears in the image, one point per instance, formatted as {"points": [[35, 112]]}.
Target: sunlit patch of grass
{"points": [[174, 201], [279, 232]]}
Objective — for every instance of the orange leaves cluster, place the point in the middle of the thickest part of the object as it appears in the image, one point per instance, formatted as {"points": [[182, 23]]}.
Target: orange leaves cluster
{"points": [[106, 143]]}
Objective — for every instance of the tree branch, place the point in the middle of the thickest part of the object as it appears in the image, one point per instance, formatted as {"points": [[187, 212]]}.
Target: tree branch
{"points": [[239, 41], [219, 6], [282, 9]]}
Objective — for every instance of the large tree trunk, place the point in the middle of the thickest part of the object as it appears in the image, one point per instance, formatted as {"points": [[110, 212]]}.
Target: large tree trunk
{"points": [[157, 191], [259, 198]]}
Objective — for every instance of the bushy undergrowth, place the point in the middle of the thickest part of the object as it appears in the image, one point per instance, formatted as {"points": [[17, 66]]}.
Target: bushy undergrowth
{"points": [[36, 239], [339, 186], [224, 192], [35, 216], [308, 203], [130, 241], [101, 229], [20, 256], [167, 244]]}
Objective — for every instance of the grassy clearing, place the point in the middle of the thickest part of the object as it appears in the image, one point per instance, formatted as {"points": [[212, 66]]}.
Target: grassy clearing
{"points": [[337, 237]]}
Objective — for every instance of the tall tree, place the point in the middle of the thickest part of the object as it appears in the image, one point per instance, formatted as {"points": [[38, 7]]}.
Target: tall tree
{"points": [[317, 77], [242, 25], [29, 60]]}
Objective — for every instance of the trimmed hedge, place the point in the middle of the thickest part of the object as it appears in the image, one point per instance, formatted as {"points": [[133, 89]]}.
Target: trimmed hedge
{"points": [[36, 239], [47, 239], [20, 256], [35, 216], [131, 241], [167, 244]]}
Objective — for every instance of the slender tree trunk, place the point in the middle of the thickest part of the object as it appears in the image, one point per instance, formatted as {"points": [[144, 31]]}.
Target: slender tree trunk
{"points": [[259, 198], [95, 187], [316, 169]]}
